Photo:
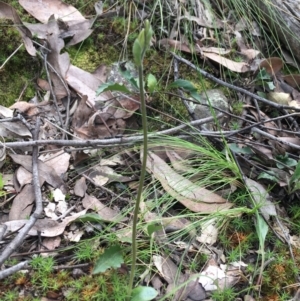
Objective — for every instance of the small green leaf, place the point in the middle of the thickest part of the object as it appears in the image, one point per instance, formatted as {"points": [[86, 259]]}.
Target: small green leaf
{"points": [[184, 84], [90, 217], [196, 96], [151, 83], [240, 150], [128, 76], [286, 161], [111, 258], [112, 87], [143, 293], [262, 229], [263, 75], [1, 182], [271, 85], [296, 174], [268, 176], [151, 228]]}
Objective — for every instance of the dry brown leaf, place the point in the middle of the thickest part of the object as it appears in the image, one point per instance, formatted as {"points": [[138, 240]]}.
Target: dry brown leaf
{"points": [[14, 129], [22, 177], [80, 187], [50, 243], [177, 162], [112, 161], [79, 31], [218, 278], [2, 156], [261, 198], [43, 84], [209, 232], [263, 152], [293, 80], [220, 51], [295, 104], [24, 107], [280, 98], [170, 224], [6, 112], [43, 10], [195, 198], [294, 140], [124, 108], [240, 67], [45, 172], [86, 83], [272, 65], [57, 160], [168, 269], [170, 272], [44, 227], [8, 12], [107, 214], [82, 113], [176, 45], [269, 124], [60, 62], [22, 204]]}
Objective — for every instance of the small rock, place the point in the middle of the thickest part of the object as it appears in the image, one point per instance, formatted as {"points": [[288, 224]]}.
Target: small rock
{"points": [[214, 98]]}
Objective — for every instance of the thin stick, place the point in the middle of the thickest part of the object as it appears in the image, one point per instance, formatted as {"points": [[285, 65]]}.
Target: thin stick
{"points": [[6, 61], [17, 241]]}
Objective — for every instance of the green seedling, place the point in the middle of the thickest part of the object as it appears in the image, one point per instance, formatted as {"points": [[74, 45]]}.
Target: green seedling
{"points": [[112, 257], [187, 86], [262, 229], [264, 79]]}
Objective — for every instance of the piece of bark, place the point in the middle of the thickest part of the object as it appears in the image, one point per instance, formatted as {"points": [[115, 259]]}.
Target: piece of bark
{"points": [[283, 19]]}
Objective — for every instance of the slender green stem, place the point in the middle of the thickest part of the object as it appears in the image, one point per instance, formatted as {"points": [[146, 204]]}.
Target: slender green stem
{"points": [[141, 183]]}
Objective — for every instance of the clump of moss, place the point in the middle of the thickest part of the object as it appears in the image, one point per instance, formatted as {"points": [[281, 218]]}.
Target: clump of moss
{"points": [[22, 13], [87, 56], [85, 7], [17, 75], [122, 26]]}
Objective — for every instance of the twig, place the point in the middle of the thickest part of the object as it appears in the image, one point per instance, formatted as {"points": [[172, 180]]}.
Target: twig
{"points": [[256, 130], [3, 228], [68, 95], [223, 83], [17, 241], [44, 56], [7, 272], [6, 61], [110, 141], [106, 189]]}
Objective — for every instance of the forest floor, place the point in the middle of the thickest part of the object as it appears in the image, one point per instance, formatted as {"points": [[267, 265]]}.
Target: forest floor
{"points": [[219, 212]]}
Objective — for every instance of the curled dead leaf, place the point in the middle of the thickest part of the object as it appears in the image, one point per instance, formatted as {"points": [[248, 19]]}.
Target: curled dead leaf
{"points": [[272, 65], [195, 198]]}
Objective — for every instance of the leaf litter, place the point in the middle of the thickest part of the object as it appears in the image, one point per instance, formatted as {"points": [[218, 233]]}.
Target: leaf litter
{"points": [[71, 105]]}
